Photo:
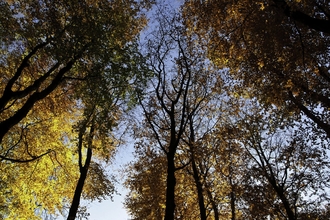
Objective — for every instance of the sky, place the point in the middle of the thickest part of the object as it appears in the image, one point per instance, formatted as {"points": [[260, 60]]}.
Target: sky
{"points": [[108, 210]]}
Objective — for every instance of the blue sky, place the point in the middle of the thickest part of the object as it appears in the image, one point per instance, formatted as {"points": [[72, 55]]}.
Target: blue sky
{"points": [[108, 209]]}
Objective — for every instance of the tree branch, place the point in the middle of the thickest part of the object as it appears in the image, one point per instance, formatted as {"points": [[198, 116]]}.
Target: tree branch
{"points": [[313, 23], [24, 161]]}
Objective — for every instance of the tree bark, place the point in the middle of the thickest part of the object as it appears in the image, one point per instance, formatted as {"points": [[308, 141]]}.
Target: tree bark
{"points": [[7, 124], [270, 176], [285, 202], [313, 23], [311, 115], [202, 209], [79, 188], [170, 188], [213, 203], [21, 113], [82, 168], [198, 183], [8, 94], [232, 205]]}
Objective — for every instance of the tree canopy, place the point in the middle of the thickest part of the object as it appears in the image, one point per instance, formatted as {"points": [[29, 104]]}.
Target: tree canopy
{"points": [[266, 153], [58, 61], [227, 102], [280, 49]]}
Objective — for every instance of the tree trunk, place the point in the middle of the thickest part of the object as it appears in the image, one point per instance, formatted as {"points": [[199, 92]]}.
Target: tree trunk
{"points": [[311, 115], [232, 205], [79, 188], [213, 203], [202, 209], [232, 196], [285, 202], [170, 188], [198, 183], [82, 168]]}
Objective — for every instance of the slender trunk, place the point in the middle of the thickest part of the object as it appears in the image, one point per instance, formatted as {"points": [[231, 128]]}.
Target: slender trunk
{"points": [[232, 196], [170, 188], [213, 203], [284, 200], [82, 168], [198, 183], [232, 205], [79, 188], [199, 187], [265, 165]]}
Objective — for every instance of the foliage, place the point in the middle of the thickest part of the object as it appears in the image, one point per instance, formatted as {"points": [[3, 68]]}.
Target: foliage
{"points": [[234, 120], [182, 88], [280, 49], [244, 153], [146, 181], [56, 58], [284, 159]]}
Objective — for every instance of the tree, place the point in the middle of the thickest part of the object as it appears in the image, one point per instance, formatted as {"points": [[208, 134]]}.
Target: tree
{"points": [[263, 158], [146, 181], [51, 52], [51, 44], [42, 184], [278, 48], [103, 100], [166, 112], [287, 160], [174, 110], [197, 139], [229, 170]]}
